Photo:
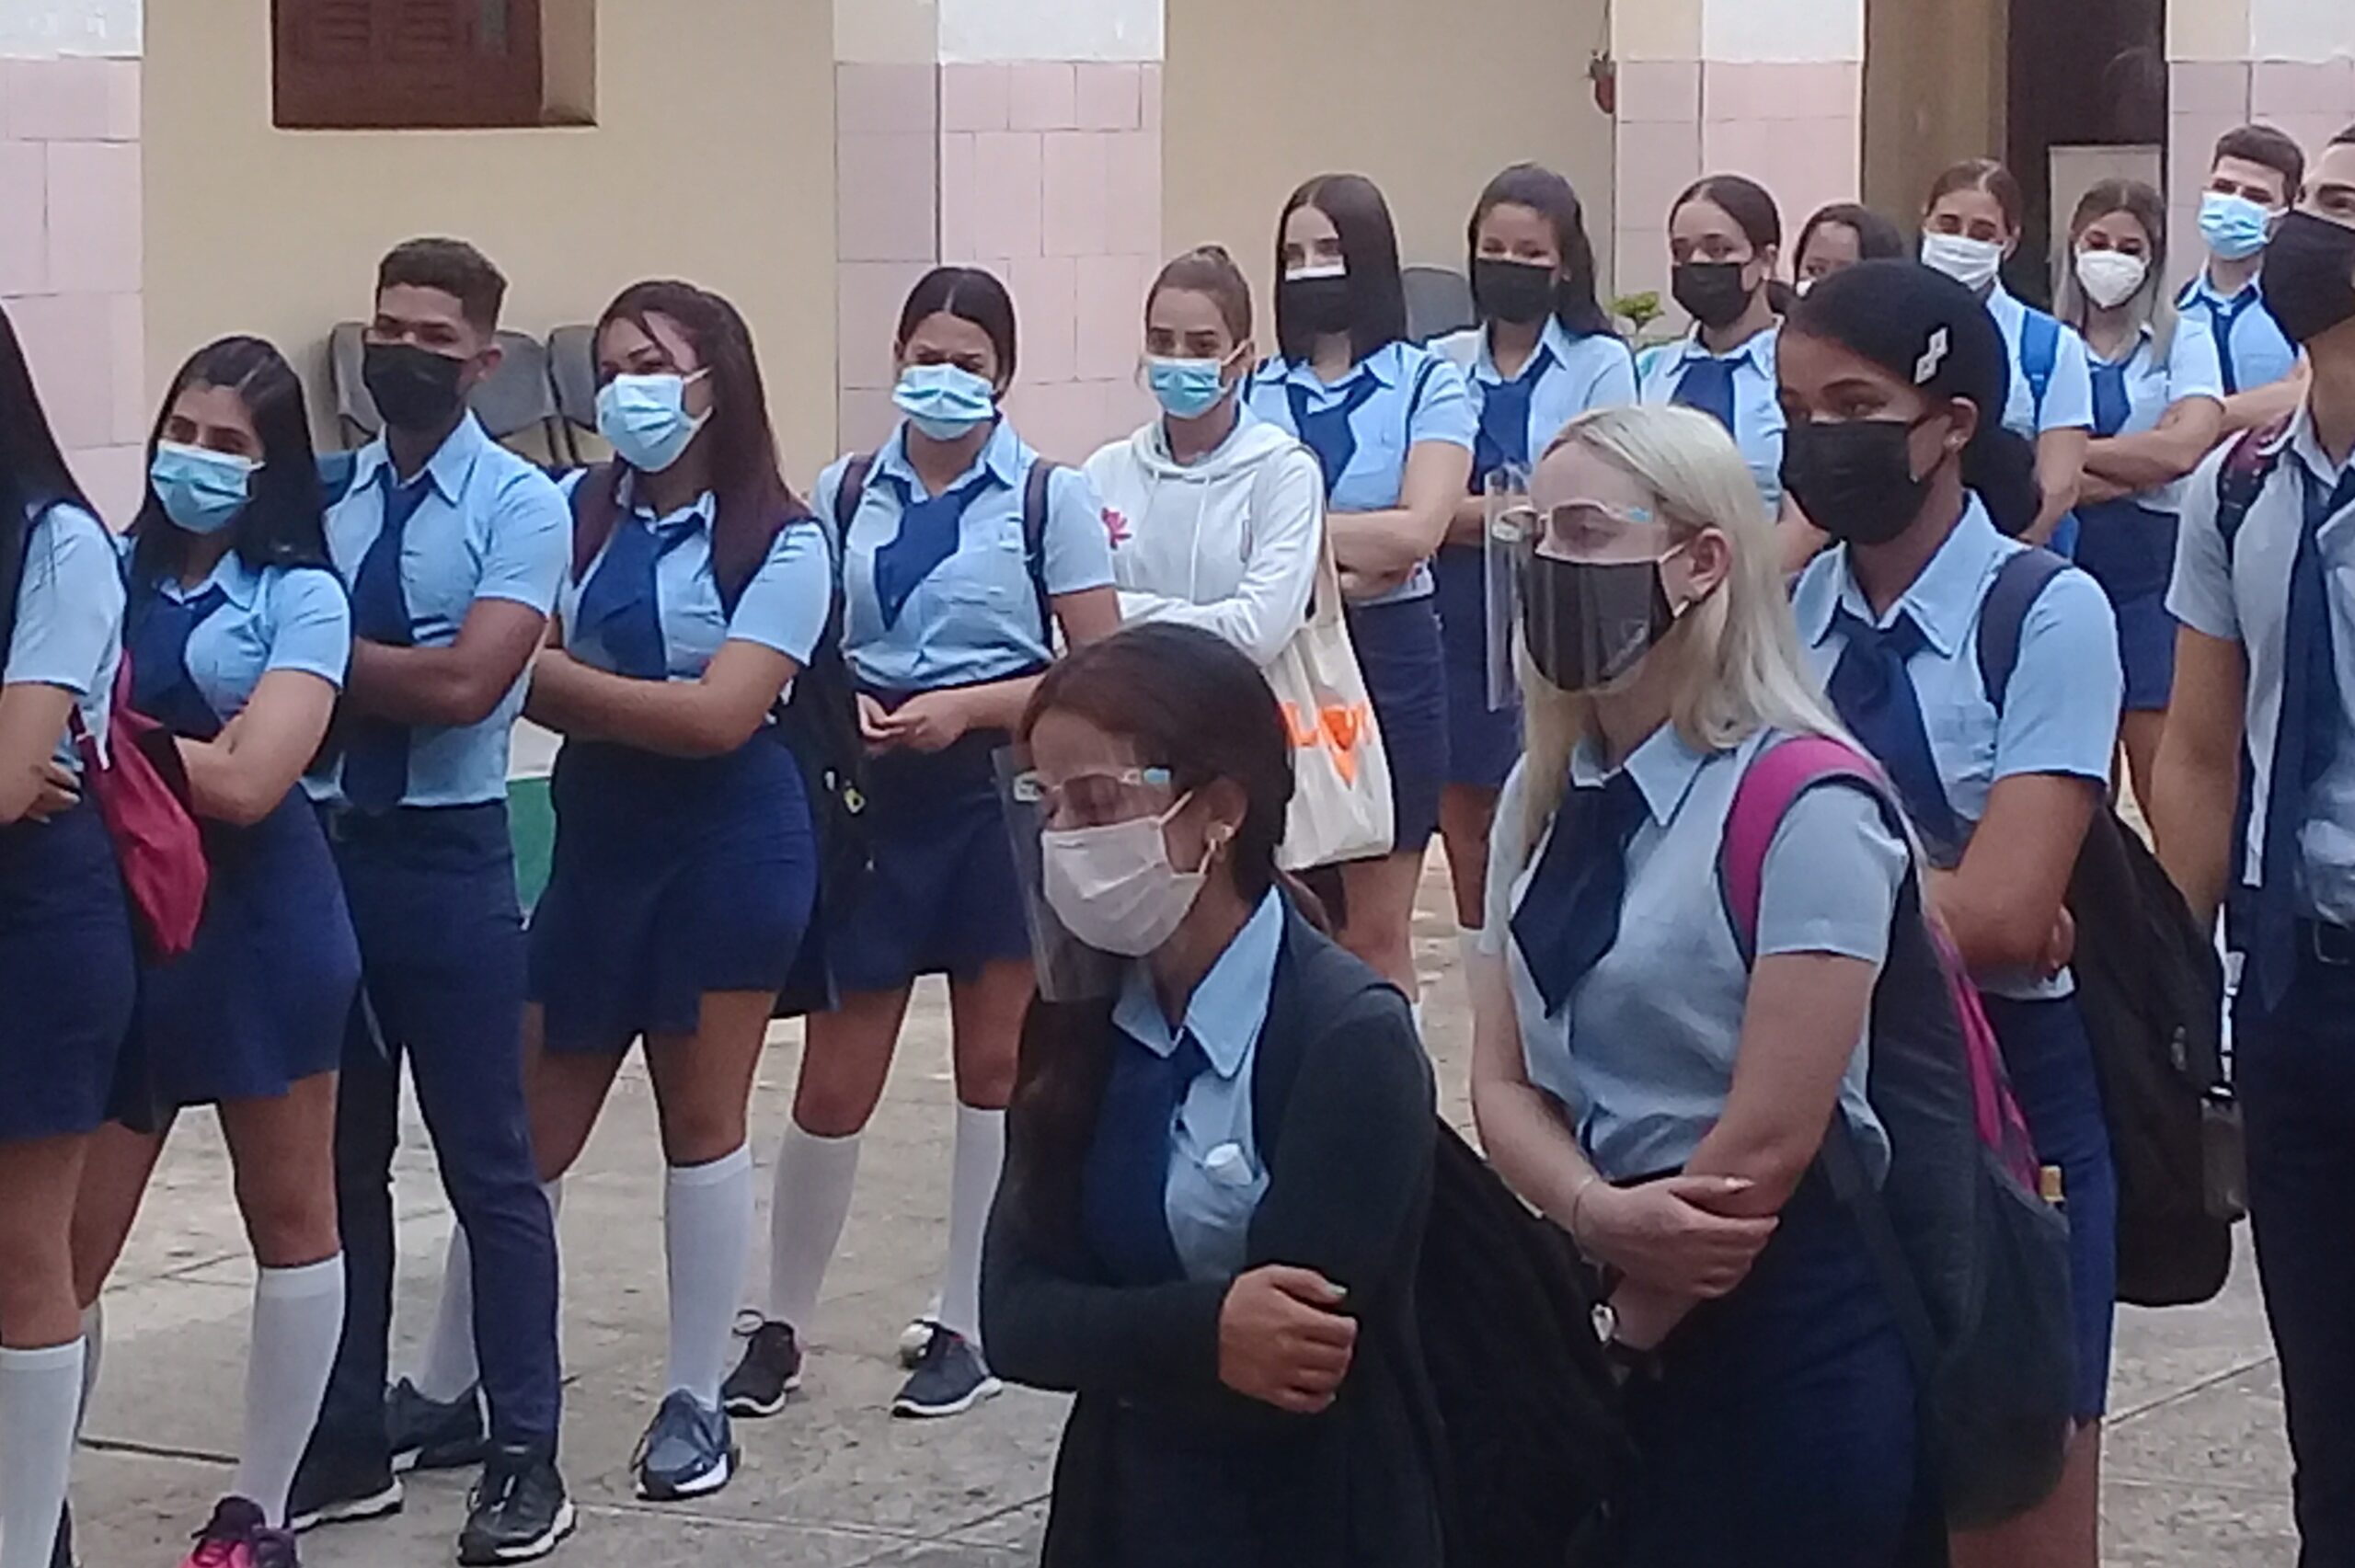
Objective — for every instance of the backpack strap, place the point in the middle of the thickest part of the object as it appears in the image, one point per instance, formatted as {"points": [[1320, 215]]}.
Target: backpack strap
{"points": [[1770, 786], [1037, 494], [2248, 463], [850, 492], [2003, 617], [2040, 353]]}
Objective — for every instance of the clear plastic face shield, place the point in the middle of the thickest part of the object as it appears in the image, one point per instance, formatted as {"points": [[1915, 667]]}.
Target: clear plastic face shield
{"points": [[1505, 511], [1579, 583]]}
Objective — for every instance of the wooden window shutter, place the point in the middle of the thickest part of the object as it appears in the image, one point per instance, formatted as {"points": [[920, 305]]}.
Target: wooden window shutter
{"points": [[406, 64]]}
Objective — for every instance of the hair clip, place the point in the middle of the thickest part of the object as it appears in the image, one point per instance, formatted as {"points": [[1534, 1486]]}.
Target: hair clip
{"points": [[1932, 356]]}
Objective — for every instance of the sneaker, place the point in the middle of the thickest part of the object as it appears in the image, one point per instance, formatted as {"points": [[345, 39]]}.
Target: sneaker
{"points": [[516, 1512], [239, 1537], [336, 1489], [771, 1370], [429, 1433], [60, 1548], [918, 1335], [689, 1451], [949, 1380]]}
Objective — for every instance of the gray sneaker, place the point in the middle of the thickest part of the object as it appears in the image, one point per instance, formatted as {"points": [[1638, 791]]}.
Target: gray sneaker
{"points": [[689, 1451], [949, 1380]]}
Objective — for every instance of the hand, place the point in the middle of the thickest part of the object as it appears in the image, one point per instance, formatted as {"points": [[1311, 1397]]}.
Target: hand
{"points": [[2059, 947], [1358, 585], [874, 724], [59, 793], [1644, 1317], [930, 721], [1282, 1340], [1669, 1235]]}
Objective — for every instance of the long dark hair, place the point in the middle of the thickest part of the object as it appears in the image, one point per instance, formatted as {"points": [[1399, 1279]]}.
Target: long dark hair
{"points": [[969, 295], [1370, 246], [1878, 239], [284, 520], [1542, 190], [33, 476]]}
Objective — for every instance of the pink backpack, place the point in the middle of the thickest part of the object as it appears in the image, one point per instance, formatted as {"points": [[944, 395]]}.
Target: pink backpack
{"points": [[141, 793]]}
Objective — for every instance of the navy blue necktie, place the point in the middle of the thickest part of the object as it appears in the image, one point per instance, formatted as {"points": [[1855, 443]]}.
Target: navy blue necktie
{"points": [[1503, 440], [621, 603], [929, 532], [1570, 914], [1707, 384], [1873, 690], [161, 686], [2222, 315], [1326, 432], [2112, 405], [1124, 1208], [375, 751]]}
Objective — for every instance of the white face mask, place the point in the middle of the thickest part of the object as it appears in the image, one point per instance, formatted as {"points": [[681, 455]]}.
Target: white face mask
{"points": [[1973, 263], [2110, 278], [1113, 886]]}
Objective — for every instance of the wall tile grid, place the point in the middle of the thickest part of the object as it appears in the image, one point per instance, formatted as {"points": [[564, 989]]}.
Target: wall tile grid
{"points": [[71, 258]]}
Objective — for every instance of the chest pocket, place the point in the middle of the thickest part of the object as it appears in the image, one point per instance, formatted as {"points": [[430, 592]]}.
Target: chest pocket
{"points": [[989, 570]]}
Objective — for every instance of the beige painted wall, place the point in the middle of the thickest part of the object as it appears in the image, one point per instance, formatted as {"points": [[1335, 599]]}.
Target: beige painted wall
{"points": [[712, 160], [1935, 84], [1259, 95]]}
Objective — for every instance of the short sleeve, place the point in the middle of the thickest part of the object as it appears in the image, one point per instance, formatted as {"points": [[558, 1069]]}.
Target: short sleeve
{"points": [[2201, 593], [1614, 382], [2069, 399], [529, 546], [69, 603], [2193, 368], [2060, 714], [1831, 877], [1445, 412], [310, 624], [1078, 545], [786, 605]]}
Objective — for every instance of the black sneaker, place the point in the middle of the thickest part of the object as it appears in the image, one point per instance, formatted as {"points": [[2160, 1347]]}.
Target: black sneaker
{"points": [[770, 1371], [333, 1488], [516, 1512], [238, 1535], [689, 1451], [428, 1434], [60, 1549], [949, 1380]]}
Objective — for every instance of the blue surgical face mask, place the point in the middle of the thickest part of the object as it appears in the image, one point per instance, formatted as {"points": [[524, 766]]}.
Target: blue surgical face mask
{"points": [[1186, 388], [203, 491], [646, 418], [944, 401], [2234, 227]]}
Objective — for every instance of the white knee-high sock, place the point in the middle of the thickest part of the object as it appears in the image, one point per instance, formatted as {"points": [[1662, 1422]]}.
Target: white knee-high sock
{"points": [[298, 1319], [808, 1208], [707, 1232], [973, 1186], [449, 1368], [40, 1392]]}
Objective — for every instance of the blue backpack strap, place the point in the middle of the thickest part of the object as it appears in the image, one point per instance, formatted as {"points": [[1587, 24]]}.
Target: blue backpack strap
{"points": [[336, 469], [2249, 462], [1038, 496], [2039, 351], [2003, 616]]}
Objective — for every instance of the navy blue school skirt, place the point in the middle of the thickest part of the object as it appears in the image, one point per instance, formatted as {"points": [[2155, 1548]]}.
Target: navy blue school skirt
{"points": [[263, 999], [671, 877], [69, 976], [2128, 548], [942, 896], [1482, 743], [1406, 675], [2051, 1063], [1782, 1431]]}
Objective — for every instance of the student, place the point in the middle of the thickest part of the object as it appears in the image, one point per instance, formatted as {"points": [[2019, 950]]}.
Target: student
{"points": [[239, 635], [1658, 1097], [2255, 176], [1216, 1185], [1542, 354], [1971, 227], [1839, 236], [2158, 408], [66, 962], [950, 612], [2259, 675], [1893, 379], [453, 548], [1392, 428]]}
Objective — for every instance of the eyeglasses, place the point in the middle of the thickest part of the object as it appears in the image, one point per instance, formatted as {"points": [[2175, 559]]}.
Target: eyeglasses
{"points": [[1091, 799], [1572, 526]]}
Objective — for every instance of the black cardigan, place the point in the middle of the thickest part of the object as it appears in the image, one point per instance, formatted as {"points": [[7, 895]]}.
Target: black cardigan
{"points": [[1343, 1109]]}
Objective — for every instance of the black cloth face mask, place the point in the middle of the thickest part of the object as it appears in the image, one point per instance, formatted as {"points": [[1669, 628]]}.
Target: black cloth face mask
{"points": [[414, 388], [1588, 623], [1855, 479], [1712, 292], [2310, 276], [1318, 304], [1516, 292]]}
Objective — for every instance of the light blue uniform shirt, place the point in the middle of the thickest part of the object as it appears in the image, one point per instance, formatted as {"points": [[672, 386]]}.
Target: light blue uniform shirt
{"points": [[1419, 395], [276, 618], [2153, 385], [494, 527], [69, 618], [784, 606], [2250, 340], [2243, 596], [1642, 1057], [2059, 714], [2068, 397], [1215, 1176], [974, 618], [1596, 371], [1757, 400]]}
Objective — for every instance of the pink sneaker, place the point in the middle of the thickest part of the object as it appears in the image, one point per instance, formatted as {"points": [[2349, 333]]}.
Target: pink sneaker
{"points": [[239, 1537]]}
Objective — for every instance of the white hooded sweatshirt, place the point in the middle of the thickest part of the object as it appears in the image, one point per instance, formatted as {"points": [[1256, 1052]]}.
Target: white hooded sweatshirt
{"points": [[1229, 543]]}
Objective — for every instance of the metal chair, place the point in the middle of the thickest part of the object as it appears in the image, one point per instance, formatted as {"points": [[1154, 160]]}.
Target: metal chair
{"points": [[355, 412], [518, 397], [1439, 301], [572, 372]]}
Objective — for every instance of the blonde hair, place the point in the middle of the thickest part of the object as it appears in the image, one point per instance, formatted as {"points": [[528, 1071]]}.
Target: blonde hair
{"points": [[1737, 652]]}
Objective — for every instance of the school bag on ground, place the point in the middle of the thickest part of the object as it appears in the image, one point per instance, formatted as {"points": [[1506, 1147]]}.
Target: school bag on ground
{"points": [[1974, 1262]]}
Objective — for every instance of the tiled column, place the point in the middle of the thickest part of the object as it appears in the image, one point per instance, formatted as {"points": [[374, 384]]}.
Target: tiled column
{"points": [[70, 247]]}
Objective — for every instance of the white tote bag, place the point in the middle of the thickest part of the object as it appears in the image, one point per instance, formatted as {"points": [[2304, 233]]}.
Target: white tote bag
{"points": [[1340, 800]]}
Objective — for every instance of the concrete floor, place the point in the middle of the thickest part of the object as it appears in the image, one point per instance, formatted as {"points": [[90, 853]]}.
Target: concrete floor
{"points": [[2196, 1474]]}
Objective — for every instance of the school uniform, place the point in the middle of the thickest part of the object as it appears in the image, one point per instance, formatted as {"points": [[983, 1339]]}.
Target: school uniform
{"points": [[1782, 1428], [263, 999], [2127, 544], [1518, 420], [66, 961], [938, 591], [2067, 403], [1908, 685], [416, 816], [2251, 347], [675, 876], [1741, 390], [2272, 589], [1363, 428]]}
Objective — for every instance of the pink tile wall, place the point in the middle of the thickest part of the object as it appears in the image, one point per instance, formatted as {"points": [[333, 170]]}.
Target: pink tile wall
{"points": [[1796, 129], [2312, 102]]}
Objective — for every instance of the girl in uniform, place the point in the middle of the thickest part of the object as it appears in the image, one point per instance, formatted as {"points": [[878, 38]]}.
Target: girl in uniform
{"points": [[1970, 227], [1893, 379], [1544, 354], [2158, 409], [1639, 1083], [66, 963], [1393, 427], [1839, 236], [239, 635], [963, 554]]}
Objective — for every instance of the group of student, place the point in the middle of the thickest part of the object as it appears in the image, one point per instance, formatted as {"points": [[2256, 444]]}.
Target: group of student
{"points": [[1785, 524]]}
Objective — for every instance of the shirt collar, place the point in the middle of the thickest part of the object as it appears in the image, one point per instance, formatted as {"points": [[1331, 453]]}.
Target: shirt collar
{"points": [[1943, 600], [702, 510], [1756, 353], [2008, 311], [1004, 454], [2302, 442], [1552, 340], [2202, 287], [1228, 1008], [231, 575], [452, 464], [1386, 365], [1662, 765]]}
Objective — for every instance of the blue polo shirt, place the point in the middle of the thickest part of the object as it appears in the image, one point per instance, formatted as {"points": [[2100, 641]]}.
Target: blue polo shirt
{"points": [[69, 618], [2153, 382], [274, 618], [1567, 377], [1757, 400], [2068, 396], [2253, 348]]}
